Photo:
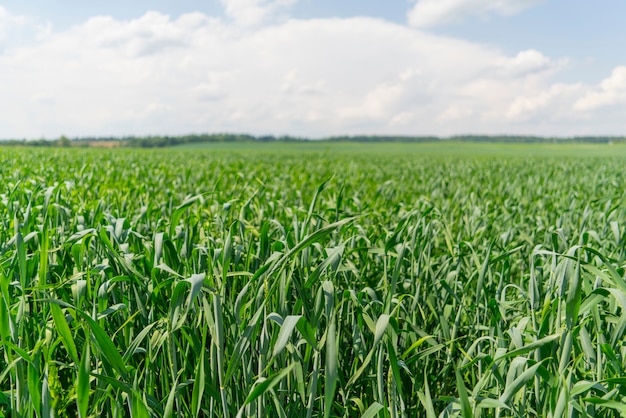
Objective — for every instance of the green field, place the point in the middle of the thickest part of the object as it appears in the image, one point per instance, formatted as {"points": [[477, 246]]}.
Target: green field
{"points": [[314, 280], [442, 148]]}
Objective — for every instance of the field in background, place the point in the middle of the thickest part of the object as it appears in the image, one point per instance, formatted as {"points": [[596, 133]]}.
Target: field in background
{"points": [[314, 280], [431, 148]]}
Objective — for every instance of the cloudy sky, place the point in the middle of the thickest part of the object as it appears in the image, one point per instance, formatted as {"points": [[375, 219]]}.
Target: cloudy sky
{"points": [[312, 67]]}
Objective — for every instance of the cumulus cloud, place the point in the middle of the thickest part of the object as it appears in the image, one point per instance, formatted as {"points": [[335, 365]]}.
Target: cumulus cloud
{"points": [[18, 29], [253, 12], [529, 62], [572, 108], [610, 92], [197, 73], [552, 105], [9, 22], [428, 13]]}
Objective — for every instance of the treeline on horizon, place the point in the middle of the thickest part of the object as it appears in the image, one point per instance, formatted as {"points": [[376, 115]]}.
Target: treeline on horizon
{"points": [[159, 141]]}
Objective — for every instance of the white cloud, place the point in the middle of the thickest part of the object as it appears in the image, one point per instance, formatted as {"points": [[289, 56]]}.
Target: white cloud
{"points": [[17, 29], [610, 92], [157, 75], [553, 104], [528, 62], [428, 13], [9, 22], [253, 12]]}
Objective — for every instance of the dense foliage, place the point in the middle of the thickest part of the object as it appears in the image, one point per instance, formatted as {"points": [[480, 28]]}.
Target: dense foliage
{"points": [[186, 283]]}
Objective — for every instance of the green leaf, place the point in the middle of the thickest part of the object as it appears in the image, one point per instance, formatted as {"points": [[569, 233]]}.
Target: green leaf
{"points": [[331, 369], [198, 386], [466, 407], [138, 406], [372, 411], [530, 347], [60, 324], [82, 383], [264, 385], [289, 323], [381, 326], [168, 411], [607, 403], [106, 346], [511, 389], [307, 332]]}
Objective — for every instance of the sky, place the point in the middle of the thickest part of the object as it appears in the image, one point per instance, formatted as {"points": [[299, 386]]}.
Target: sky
{"points": [[312, 68]]}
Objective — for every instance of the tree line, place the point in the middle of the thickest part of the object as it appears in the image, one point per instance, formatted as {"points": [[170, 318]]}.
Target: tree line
{"points": [[161, 141]]}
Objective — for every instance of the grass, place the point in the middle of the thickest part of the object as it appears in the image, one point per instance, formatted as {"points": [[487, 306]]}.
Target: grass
{"points": [[443, 149], [309, 284]]}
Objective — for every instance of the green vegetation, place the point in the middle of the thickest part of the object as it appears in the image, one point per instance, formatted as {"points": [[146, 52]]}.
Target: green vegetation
{"points": [[439, 148], [246, 140], [311, 284], [209, 139]]}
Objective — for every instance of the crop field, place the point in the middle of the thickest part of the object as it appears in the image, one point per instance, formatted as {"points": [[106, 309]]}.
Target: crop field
{"points": [[236, 283], [440, 148]]}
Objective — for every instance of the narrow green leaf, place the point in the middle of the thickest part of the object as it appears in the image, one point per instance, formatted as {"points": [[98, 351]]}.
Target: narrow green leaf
{"points": [[426, 399], [198, 386], [264, 385], [381, 326], [138, 406], [466, 406], [517, 384], [307, 332], [62, 328], [529, 347], [331, 369], [289, 323], [82, 383], [372, 411], [618, 406], [106, 346], [168, 411]]}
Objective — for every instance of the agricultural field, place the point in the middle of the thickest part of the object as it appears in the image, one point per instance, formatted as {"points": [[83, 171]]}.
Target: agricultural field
{"points": [[336, 281]]}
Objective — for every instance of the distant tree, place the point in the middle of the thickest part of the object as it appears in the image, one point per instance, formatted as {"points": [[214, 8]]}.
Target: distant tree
{"points": [[64, 141]]}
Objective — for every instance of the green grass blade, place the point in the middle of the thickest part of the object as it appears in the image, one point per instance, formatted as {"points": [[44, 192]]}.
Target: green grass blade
{"points": [[63, 329], [372, 411], [466, 406], [83, 385], [289, 323], [264, 385], [106, 346]]}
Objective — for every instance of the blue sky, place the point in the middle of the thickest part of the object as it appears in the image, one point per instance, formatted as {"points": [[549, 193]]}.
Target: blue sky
{"points": [[312, 67]]}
